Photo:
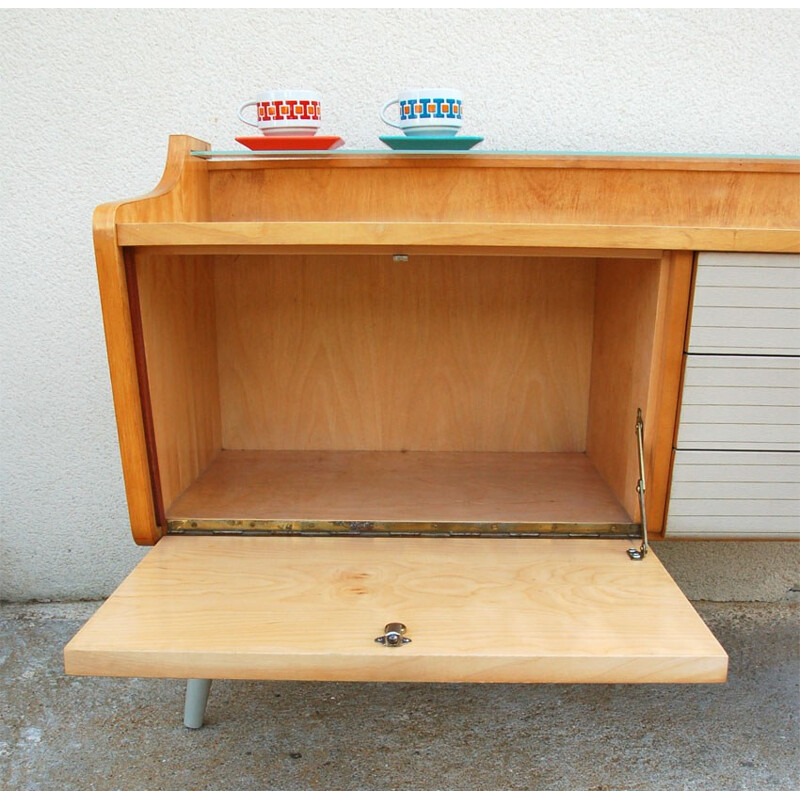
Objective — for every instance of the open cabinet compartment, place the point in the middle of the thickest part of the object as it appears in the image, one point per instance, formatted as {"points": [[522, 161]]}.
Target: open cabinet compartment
{"points": [[279, 367], [358, 393]]}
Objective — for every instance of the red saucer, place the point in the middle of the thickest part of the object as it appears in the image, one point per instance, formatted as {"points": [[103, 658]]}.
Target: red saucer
{"points": [[291, 142]]}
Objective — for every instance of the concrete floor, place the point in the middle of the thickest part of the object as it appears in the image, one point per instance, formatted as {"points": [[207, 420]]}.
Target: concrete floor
{"points": [[59, 732]]}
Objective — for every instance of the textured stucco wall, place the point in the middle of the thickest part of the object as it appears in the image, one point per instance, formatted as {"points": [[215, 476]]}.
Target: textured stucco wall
{"points": [[88, 99]]}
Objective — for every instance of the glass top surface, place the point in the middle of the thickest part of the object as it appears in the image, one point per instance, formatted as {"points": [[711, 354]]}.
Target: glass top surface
{"points": [[339, 153]]}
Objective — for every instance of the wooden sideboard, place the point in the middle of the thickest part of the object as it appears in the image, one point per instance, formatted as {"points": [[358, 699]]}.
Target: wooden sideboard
{"points": [[354, 388]]}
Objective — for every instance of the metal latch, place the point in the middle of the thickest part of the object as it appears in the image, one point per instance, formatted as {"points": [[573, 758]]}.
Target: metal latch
{"points": [[393, 635]]}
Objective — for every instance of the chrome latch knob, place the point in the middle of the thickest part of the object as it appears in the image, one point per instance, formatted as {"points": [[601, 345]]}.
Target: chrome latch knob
{"points": [[393, 635]]}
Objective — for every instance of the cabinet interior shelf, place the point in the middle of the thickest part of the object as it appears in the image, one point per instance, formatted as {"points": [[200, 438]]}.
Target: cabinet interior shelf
{"points": [[380, 491]]}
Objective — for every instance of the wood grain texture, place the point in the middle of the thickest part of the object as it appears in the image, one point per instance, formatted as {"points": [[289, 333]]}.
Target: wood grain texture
{"points": [[163, 203], [400, 487], [641, 314], [217, 236], [179, 328], [361, 353], [132, 283], [626, 303], [541, 193], [119, 335], [670, 328], [479, 611]]}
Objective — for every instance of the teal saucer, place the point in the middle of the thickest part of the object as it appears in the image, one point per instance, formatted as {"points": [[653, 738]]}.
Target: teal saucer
{"points": [[431, 142]]}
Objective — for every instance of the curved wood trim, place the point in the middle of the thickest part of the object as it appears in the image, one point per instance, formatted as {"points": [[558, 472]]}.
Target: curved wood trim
{"points": [[161, 204]]}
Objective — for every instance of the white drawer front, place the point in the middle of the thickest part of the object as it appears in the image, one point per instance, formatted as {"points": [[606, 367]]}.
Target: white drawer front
{"points": [[740, 403], [746, 303], [735, 495]]}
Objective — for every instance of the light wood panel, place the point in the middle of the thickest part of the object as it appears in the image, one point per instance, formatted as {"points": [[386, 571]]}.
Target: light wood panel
{"points": [[666, 373], [443, 353], [478, 610], [626, 303], [474, 489], [702, 203], [369, 235], [181, 194], [179, 329]]}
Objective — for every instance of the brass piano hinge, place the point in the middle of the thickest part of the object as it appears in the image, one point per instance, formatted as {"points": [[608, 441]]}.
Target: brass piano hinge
{"points": [[622, 532]]}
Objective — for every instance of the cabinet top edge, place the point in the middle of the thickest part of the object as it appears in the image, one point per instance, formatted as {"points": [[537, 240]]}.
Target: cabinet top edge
{"points": [[232, 160]]}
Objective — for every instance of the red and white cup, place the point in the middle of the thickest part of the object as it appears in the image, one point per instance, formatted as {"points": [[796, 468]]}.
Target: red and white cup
{"points": [[285, 112]]}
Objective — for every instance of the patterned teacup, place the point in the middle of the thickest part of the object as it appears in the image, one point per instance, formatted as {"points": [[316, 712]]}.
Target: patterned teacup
{"points": [[285, 112], [426, 112]]}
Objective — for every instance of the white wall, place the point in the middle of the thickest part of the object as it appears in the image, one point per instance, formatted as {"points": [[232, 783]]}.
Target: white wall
{"points": [[87, 102]]}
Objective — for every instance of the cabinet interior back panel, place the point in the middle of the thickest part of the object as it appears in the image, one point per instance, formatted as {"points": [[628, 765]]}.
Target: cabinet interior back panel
{"points": [[746, 303], [340, 352], [740, 403], [735, 494]]}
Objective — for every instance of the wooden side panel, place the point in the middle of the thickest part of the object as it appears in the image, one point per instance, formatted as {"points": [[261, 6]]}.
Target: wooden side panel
{"points": [[663, 399], [625, 311], [163, 204], [300, 608], [640, 325], [361, 353], [178, 324], [122, 364]]}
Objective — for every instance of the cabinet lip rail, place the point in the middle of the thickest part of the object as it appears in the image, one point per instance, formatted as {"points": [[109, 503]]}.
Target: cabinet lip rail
{"points": [[500, 235]]}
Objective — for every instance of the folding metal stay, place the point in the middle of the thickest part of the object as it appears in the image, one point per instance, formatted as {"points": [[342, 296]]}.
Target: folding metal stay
{"points": [[639, 554]]}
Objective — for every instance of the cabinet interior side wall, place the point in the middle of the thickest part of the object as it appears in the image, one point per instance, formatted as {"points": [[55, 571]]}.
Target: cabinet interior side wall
{"points": [[440, 353], [625, 315], [178, 320]]}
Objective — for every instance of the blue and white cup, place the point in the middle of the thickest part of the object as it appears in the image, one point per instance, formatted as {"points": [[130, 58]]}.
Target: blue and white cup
{"points": [[426, 112]]}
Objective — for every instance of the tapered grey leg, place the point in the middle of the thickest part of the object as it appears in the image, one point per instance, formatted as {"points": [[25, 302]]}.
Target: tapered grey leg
{"points": [[197, 690]]}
